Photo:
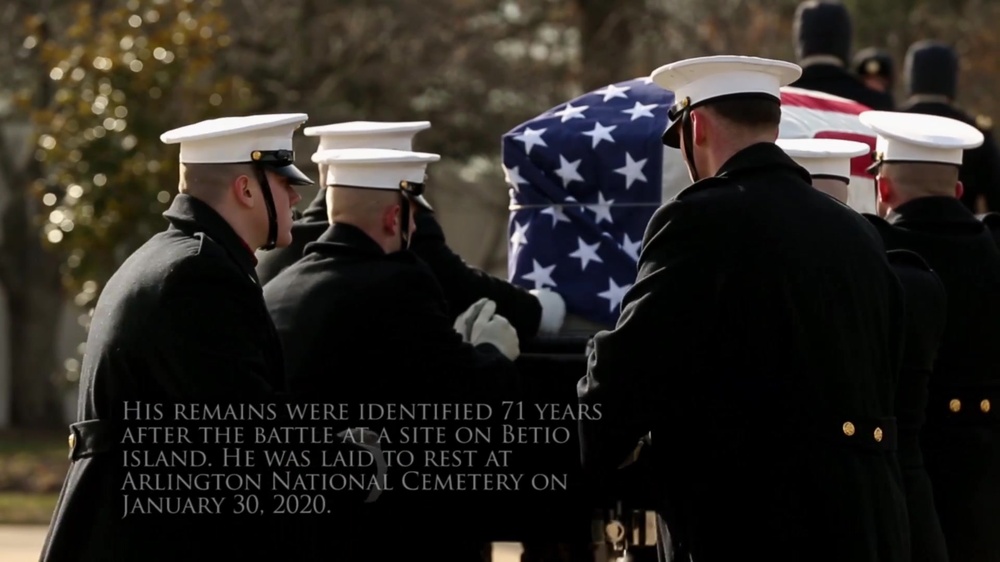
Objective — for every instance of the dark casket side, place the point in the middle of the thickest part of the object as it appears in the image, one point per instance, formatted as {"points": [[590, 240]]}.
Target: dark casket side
{"points": [[552, 366]]}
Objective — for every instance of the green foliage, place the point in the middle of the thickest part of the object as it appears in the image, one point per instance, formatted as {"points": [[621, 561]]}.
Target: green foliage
{"points": [[120, 78]]}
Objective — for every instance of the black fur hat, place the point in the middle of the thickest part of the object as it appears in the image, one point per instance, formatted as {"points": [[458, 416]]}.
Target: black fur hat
{"points": [[931, 68], [823, 27]]}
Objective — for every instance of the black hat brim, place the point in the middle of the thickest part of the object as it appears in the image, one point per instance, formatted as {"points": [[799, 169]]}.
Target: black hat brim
{"points": [[672, 136], [422, 201], [294, 175]]}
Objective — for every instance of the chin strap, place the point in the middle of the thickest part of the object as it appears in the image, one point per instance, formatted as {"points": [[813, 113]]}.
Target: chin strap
{"points": [[272, 214], [404, 221], [408, 191], [687, 132], [260, 160], [682, 111]]}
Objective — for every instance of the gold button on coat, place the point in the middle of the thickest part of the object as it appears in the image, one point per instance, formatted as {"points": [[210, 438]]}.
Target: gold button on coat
{"points": [[985, 406], [848, 429], [878, 434], [614, 531], [72, 441], [955, 405]]}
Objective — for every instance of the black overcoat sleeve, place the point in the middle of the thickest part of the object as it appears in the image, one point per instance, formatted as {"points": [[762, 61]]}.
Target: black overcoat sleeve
{"points": [[463, 285], [424, 330], [637, 372]]}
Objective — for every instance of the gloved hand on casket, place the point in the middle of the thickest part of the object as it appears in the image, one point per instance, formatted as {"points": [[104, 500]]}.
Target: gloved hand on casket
{"points": [[479, 324], [553, 311]]}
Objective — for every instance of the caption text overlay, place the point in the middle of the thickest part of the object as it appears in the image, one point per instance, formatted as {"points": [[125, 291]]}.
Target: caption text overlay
{"points": [[308, 459]]}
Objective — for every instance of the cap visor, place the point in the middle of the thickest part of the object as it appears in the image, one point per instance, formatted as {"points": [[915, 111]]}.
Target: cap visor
{"points": [[423, 202], [294, 175], [672, 137]]}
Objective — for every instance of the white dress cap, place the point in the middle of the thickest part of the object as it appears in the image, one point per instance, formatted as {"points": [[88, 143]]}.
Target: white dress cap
{"points": [[264, 139], [367, 134], [698, 80], [915, 137], [374, 168], [824, 158]]}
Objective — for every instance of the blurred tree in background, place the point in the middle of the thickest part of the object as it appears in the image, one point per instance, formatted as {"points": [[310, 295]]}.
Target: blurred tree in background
{"points": [[123, 75], [114, 75]]}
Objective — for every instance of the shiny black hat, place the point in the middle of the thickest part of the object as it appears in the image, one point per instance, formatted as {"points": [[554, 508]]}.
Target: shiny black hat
{"points": [[931, 68], [874, 62], [823, 27]]}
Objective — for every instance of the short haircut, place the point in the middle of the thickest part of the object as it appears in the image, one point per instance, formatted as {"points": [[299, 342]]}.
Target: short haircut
{"points": [[209, 181], [360, 204], [922, 178], [751, 113]]}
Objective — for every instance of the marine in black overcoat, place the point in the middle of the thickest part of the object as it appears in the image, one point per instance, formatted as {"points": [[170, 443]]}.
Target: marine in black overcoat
{"points": [[760, 347], [461, 283], [362, 326], [182, 320], [926, 315], [959, 438]]}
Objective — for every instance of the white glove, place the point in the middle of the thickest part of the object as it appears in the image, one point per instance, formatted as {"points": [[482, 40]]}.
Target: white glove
{"points": [[553, 310], [487, 327], [368, 440], [463, 324], [498, 332]]}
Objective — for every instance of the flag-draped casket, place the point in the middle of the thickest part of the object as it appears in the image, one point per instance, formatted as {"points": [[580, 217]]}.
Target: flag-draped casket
{"points": [[586, 176]]}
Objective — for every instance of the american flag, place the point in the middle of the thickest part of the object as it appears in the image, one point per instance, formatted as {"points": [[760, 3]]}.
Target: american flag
{"points": [[585, 180], [587, 175]]}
